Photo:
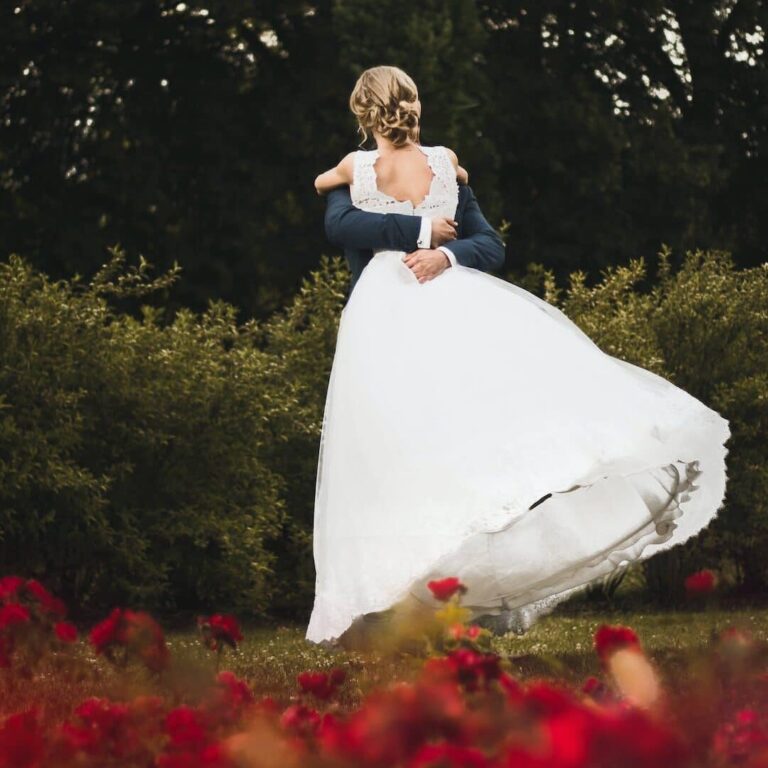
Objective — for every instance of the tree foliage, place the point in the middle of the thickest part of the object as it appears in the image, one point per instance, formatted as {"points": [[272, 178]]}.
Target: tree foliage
{"points": [[192, 133]]}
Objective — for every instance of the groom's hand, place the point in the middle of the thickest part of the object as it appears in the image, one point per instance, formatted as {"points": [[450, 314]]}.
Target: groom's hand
{"points": [[443, 231], [426, 264]]}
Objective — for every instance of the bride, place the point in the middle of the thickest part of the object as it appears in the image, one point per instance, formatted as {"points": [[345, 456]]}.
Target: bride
{"points": [[472, 430]]}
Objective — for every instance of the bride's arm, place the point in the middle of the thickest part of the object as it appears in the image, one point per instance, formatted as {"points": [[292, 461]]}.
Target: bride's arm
{"points": [[339, 176]]}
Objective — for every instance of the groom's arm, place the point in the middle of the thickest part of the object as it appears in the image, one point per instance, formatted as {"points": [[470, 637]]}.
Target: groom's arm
{"points": [[478, 245], [347, 226], [350, 227]]}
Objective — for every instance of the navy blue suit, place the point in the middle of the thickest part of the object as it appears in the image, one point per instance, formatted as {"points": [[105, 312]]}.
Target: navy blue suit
{"points": [[359, 232]]}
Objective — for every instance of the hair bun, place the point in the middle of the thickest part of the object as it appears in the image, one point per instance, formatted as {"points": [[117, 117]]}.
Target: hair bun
{"points": [[384, 100]]}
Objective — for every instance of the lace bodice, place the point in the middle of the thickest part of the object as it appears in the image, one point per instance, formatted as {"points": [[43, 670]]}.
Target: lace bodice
{"points": [[441, 200]]}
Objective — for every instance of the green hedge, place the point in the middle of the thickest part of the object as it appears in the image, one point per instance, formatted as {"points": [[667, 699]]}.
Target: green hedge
{"points": [[704, 327], [173, 464], [136, 457]]}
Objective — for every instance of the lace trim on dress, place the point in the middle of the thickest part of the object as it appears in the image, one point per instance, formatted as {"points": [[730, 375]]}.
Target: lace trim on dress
{"points": [[366, 194]]}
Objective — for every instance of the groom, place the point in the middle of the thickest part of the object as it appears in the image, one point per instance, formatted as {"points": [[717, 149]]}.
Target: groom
{"points": [[431, 245]]}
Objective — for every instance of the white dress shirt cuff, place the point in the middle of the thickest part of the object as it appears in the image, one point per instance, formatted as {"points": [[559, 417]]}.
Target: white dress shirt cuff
{"points": [[425, 233], [449, 253]]}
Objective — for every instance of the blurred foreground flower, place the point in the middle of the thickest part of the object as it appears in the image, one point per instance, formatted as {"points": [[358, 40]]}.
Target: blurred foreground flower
{"points": [[622, 656], [30, 620], [322, 685], [700, 583], [219, 630], [127, 634], [462, 708], [445, 589]]}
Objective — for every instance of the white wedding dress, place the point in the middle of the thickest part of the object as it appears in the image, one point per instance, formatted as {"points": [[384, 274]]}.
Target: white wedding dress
{"points": [[453, 406]]}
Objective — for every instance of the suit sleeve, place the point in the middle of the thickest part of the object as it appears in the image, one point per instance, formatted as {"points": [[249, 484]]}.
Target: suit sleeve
{"points": [[349, 227], [479, 246]]}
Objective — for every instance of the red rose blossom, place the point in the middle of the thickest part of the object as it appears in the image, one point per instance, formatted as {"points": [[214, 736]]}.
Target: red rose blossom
{"points": [[106, 632], [66, 632], [609, 639], [452, 755], [21, 740], [186, 727], [321, 684], [229, 699], [700, 583], [135, 631], [219, 628], [13, 614], [300, 719], [445, 589], [9, 587], [45, 598]]}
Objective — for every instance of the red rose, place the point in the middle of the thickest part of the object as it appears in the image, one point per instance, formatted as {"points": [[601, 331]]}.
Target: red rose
{"points": [[447, 754], [135, 631], [226, 628], [228, 700], [21, 740], [700, 583], [468, 667], [609, 639], [219, 628], [66, 632], [12, 615], [106, 632], [445, 589], [103, 732], [597, 690], [300, 718], [9, 587], [321, 684], [45, 598], [186, 727]]}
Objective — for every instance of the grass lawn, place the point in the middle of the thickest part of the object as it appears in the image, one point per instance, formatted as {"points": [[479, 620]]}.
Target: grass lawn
{"points": [[558, 646]]}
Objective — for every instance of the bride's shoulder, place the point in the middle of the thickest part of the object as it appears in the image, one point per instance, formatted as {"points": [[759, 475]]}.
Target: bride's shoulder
{"points": [[461, 173], [437, 148], [452, 156]]}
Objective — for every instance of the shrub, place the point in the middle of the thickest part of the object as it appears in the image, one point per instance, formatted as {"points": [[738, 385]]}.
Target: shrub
{"points": [[705, 328], [174, 462], [132, 454]]}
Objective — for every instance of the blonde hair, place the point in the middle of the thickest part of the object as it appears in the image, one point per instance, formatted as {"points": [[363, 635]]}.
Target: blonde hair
{"points": [[384, 99]]}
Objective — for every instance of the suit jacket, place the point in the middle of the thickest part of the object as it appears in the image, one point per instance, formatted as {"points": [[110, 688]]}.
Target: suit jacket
{"points": [[359, 232]]}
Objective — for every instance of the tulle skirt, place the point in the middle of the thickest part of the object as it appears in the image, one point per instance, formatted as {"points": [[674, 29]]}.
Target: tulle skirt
{"points": [[455, 405]]}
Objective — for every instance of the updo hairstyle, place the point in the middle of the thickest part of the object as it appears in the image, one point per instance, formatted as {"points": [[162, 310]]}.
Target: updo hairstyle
{"points": [[384, 100]]}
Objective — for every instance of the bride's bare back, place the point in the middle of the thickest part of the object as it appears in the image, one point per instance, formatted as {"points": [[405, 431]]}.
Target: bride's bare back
{"points": [[402, 173]]}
